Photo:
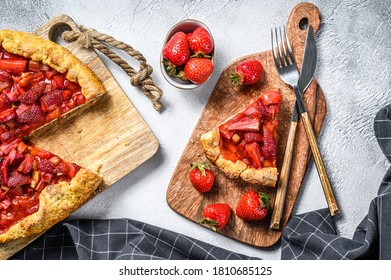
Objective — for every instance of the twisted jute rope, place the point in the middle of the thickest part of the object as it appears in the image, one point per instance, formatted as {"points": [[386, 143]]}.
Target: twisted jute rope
{"points": [[90, 38]]}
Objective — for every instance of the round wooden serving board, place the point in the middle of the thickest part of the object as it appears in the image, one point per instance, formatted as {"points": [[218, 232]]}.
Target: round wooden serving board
{"points": [[226, 101]]}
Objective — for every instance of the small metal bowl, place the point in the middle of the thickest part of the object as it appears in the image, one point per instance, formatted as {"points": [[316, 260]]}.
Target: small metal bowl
{"points": [[186, 26]]}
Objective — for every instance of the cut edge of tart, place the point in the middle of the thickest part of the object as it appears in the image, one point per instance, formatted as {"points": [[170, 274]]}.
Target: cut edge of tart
{"points": [[245, 145], [56, 202], [38, 189]]}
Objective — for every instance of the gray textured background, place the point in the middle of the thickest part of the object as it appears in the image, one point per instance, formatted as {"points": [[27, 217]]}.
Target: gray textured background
{"points": [[354, 47]]}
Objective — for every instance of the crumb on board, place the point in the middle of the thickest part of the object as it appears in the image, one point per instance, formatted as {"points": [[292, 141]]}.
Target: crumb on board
{"points": [[80, 131], [98, 169]]}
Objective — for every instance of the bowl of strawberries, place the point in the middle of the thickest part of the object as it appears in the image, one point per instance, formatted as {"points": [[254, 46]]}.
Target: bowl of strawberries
{"points": [[187, 57]]}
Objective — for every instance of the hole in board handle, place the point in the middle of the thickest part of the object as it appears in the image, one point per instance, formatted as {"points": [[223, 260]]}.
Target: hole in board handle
{"points": [[303, 23], [56, 31]]}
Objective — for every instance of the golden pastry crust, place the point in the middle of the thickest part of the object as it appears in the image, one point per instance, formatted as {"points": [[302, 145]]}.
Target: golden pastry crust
{"points": [[230, 168], [54, 55], [56, 202], [265, 176], [210, 142]]}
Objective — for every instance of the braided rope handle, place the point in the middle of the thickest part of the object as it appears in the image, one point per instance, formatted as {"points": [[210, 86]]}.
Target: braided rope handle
{"points": [[91, 38]]}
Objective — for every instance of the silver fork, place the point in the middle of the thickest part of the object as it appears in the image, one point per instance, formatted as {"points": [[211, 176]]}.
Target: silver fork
{"points": [[287, 69]]}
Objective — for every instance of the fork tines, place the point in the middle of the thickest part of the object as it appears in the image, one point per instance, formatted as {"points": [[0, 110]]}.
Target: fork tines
{"points": [[285, 55]]}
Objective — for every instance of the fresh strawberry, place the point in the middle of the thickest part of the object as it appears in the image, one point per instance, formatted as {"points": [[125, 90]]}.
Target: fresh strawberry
{"points": [[176, 51], [30, 114], [200, 41], [216, 216], [253, 206], [247, 73], [197, 70], [201, 176]]}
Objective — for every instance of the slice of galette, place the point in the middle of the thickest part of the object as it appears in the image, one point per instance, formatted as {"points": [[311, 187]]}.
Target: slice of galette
{"points": [[38, 189], [245, 145]]}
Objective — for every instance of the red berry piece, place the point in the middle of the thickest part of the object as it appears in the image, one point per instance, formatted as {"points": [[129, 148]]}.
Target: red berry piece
{"points": [[200, 41], [216, 216], [247, 73], [197, 70], [201, 177], [253, 206], [177, 50]]}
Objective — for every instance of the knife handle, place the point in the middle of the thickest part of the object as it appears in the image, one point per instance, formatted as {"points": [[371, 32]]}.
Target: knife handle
{"points": [[284, 178], [328, 191]]}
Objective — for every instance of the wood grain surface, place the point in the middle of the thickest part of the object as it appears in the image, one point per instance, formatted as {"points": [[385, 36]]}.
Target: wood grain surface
{"points": [[226, 101], [108, 135]]}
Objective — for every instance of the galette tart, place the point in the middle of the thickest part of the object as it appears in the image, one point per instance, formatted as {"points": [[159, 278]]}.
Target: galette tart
{"points": [[40, 81], [245, 145]]}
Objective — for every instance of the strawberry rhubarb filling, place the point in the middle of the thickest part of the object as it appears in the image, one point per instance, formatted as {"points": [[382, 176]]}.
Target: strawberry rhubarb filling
{"points": [[24, 172], [250, 136], [31, 95]]}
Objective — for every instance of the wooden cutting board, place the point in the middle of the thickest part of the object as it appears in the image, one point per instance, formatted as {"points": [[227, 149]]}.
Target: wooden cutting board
{"points": [[223, 103], [109, 136]]}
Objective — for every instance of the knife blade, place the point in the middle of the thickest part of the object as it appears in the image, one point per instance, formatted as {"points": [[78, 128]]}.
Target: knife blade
{"points": [[308, 66], [307, 73]]}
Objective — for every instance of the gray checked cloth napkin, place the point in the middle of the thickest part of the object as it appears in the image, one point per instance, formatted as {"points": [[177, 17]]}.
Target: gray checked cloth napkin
{"points": [[307, 236]]}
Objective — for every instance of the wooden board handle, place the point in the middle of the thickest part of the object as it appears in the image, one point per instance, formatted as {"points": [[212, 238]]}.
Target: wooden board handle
{"points": [[328, 191], [284, 178], [301, 16]]}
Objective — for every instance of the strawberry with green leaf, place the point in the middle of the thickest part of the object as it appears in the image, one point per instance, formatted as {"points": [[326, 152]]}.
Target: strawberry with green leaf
{"points": [[200, 42], [197, 70], [247, 73], [216, 215], [176, 52], [253, 206], [201, 177]]}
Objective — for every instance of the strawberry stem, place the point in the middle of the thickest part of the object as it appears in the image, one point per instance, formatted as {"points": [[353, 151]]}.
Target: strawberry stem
{"points": [[200, 55], [236, 79], [265, 200], [213, 224], [171, 68], [181, 75], [201, 166]]}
